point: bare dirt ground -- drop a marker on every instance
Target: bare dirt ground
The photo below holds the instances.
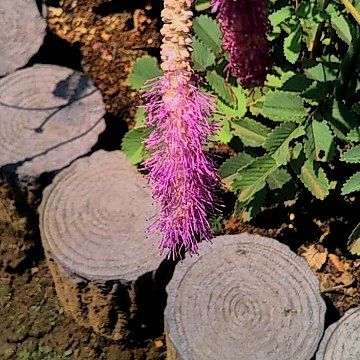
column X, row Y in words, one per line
column 33, row 325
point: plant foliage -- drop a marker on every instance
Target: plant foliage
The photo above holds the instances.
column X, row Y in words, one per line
column 302, row 128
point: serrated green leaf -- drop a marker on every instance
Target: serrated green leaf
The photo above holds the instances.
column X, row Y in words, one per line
column 279, row 16
column 292, row 45
column 297, row 83
column 247, row 211
column 230, row 167
column 284, row 106
column 251, row 132
column 238, row 110
column 220, row 87
column 278, row 141
column 224, row 134
column 319, row 145
column 132, row 144
column 352, row 184
column 144, row 69
column 253, row 178
column 208, row 31
column 352, row 155
column 140, row 117
column 354, row 241
column 354, row 135
column 234, row 164
column 342, row 28
column 322, row 72
column 278, row 179
column 296, row 151
column 310, row 29
column 343, row 120
column 318, row 91
column 315, row 180
column 202, row 56
column 255, row 102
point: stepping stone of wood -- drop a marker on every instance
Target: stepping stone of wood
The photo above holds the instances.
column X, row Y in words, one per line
column 342, row 339
column 49, row 116
column 245, row 297
column 22, row 30
column 93, row 221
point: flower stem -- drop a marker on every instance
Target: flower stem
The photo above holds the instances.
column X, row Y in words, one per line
column 352, row 10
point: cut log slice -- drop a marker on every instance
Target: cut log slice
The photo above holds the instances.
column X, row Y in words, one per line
column 93, row 221
column 342, row 339
column 245, row 297
column 22, row 30
column 49, row 116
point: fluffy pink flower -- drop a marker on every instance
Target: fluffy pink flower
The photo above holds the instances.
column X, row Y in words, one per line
column 244, row 25
column 181, row 174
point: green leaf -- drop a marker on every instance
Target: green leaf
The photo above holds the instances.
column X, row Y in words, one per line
column 343, row 119
column 352, row 155
column 238, row 110
column 202, row 5
column 224, row 134
column 296, row 151
column 278, row 141
column 278, row 179
column 250, row 132
column 140, row 117
column 292, row 45
column 279, row 16
column 220, row 87
column 234, row 164
column 320, row 142
column 144, row 69
column 284, row 106
column 342, row 28
column 253, row 178
column 208, row 31
column 202, row 56
column 310, row 29
column 352, row 184
column 354, row 241
column 132, row 144
column 354, row 135
column 248, row 210
column 315, row 179
column 297, row 83
column 322, row 72
column 230, row 167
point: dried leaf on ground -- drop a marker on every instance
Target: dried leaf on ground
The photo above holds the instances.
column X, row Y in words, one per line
column 315, row 258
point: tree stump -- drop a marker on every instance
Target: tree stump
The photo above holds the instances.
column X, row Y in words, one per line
column 245, row 297
column 93, row 228
column 49, row 116
column 22, row 30
column 342, row 339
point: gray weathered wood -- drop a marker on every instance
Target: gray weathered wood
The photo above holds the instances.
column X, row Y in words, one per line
column 49, row 116
column 245, row 297
column 342, row 339
column 22, row 32
column 93, row 222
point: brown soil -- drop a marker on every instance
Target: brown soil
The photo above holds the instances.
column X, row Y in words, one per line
column 110, row 42
column 34, row 326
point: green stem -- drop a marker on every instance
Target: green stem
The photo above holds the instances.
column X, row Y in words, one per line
column 352, row 10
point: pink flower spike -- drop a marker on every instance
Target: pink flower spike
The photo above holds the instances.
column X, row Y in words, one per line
column 244, row 26
column 182, row 176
